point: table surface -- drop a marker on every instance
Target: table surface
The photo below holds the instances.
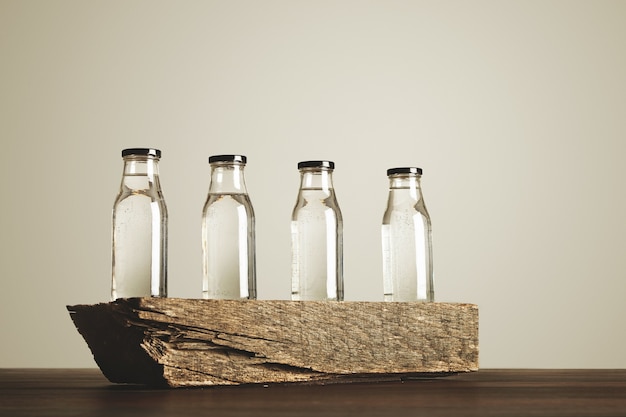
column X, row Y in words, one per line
column 489, row 392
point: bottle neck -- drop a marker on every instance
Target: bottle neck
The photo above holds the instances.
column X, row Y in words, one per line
column 227, row 178
column 316, row 179
column 140, row 173
column 141, row 165
column 408, row 184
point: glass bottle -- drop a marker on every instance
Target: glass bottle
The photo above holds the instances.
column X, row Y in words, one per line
column 316, row 236
column 228, row 237
column 407, row 240
column 139, row 249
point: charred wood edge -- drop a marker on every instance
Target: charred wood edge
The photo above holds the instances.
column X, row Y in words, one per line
column 123, row 358
column 116, row 345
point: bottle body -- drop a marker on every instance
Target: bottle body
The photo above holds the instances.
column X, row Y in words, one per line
column 316, row 236
column 139, row 244
column 407, row 240
column 228, row 233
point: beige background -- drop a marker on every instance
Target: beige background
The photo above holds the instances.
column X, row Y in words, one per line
column 516, row 111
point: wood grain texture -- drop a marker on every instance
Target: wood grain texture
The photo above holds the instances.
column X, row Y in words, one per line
column 186, row 342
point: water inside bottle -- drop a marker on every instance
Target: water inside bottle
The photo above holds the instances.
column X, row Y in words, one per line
column 228, row 239
column 316, row 243
column 406, row 257
column 136, row 240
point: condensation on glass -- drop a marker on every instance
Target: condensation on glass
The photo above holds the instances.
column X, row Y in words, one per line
column 316, row 236
column 228, row 232
column 139, row 244
column 407, row 239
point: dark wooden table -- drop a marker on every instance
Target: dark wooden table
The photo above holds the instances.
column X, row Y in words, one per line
column 489, row 392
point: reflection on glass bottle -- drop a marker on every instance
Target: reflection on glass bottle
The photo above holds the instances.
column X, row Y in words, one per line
column 316, row 236
column 406, row 240
column 228, row 238
column 139, row 249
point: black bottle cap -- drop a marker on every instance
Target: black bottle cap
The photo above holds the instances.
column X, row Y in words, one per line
column 407, row 170
column 316, row 164
column 141, row 151
column 228, row 158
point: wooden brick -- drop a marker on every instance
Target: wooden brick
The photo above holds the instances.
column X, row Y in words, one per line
column 189, row 342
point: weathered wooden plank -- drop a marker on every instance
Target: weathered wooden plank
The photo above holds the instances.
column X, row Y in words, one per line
column 185, row 342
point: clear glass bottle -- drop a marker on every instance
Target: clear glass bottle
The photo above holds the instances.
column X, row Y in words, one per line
column 407, row 240
column 316, row 236
column 228, row 237
column 139, row 250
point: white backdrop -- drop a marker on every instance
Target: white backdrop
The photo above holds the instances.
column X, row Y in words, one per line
column 516, row 111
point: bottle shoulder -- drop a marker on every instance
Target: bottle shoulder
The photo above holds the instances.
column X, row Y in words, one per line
column 316, row 199
column 227, row 201
column 148, row 195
